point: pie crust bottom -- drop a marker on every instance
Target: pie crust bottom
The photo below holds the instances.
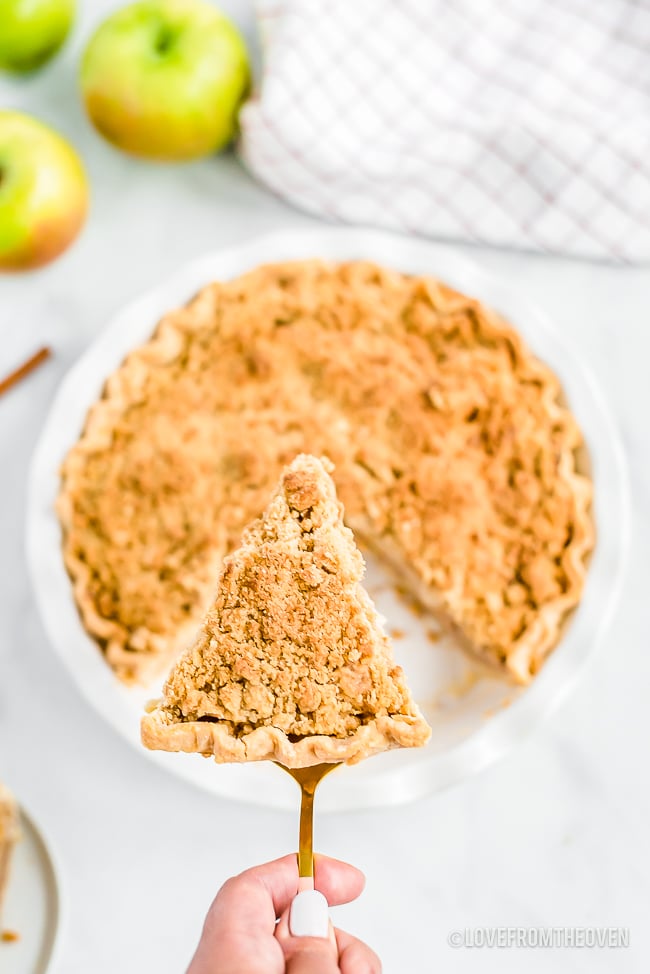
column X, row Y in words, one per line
column 216, row 739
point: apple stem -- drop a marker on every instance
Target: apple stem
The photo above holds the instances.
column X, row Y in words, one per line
column 164, row 40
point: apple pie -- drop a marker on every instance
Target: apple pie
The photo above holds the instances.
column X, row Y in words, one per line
column 455, row 458
column 9, row 835
column 290, row 663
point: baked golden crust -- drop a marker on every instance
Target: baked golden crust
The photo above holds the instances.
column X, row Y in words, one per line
column 454, row 458
column 9, row 835
column 9, row 828
column 272, row 744
column 291, row 662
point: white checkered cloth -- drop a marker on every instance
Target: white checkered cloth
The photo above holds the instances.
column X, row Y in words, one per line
column 520, row 123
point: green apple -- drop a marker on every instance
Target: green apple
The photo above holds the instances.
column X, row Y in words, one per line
column 164, row 79
column 32, row 31
column 43, row 192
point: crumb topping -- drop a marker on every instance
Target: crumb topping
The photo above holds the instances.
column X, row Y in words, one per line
column 453, row 456
column 8, row 816
column 292, row 640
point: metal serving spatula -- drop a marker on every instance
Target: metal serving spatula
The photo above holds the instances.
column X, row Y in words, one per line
column 308, row 780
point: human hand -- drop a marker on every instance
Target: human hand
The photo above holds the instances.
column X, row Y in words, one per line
column 241, row 934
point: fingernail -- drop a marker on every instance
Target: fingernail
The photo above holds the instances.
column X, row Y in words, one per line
column 309, row 915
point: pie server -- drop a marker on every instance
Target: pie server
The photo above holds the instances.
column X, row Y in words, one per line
column 308, row 916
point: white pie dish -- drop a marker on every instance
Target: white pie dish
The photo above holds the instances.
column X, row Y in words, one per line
column 33, row 904
column 465, row 738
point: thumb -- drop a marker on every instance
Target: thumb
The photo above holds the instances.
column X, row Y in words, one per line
column 310, row 955
column 306, row 936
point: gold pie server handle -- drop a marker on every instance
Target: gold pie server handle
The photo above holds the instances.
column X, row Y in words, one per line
column 308, row 780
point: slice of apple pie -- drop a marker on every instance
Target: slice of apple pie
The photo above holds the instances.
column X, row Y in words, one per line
column 291, row 662
column 9, row 835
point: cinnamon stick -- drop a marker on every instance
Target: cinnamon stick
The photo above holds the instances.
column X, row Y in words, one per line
column 32, row 363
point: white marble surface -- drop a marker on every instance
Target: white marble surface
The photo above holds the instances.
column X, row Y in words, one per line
column 557, row 834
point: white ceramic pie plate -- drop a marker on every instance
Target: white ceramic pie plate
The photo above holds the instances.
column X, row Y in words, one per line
column 475, row 718
column 32, row 906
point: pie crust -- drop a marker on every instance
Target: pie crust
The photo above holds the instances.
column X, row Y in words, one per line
column 9, row 835
column 272, row 744
column 454, row 455
column 291, row 663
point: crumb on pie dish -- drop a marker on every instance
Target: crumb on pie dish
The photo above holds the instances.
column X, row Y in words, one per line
column 291, row 662
column 9, row 835
column 455, row 459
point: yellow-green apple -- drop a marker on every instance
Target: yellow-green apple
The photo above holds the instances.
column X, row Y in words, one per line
column 43, row 192
column 164, row 79
column 32, row 31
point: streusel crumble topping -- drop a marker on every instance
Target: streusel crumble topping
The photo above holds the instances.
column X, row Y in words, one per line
column 454, row 457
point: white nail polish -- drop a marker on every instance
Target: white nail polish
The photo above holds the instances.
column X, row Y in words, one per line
column 309, row 915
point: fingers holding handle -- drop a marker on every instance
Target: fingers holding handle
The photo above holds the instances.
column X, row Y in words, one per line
column 312, row 946
column 306, row 936
column 311, row 955
column 309, row 915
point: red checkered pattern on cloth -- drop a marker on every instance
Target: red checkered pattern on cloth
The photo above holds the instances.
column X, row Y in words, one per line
column 521, row 123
